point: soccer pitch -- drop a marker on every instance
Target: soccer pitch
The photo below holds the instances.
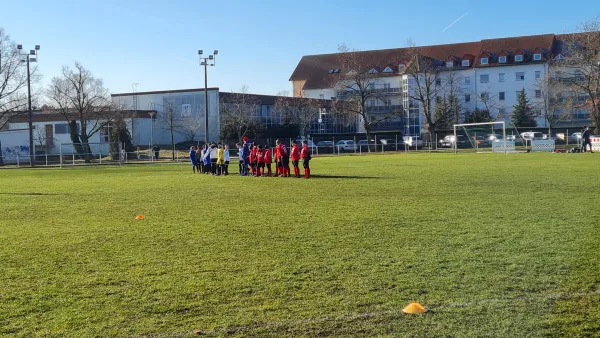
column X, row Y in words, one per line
column 491, row 244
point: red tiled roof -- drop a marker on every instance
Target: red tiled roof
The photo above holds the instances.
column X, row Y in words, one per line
column 314, row 68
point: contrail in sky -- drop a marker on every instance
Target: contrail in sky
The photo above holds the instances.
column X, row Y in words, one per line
column 455, row 21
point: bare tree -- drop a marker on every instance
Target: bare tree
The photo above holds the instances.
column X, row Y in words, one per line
column 300, row 111
column 425, row 73
column 13, row 82
column 171, row 121
column 81, row 97
column 239, row 115
column 580, row 69
column 448, row 110
column 191, row 126
column 554, row 102
column 357, row 85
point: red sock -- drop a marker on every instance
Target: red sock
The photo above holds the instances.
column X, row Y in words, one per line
column 269, row 171
column 288, row 172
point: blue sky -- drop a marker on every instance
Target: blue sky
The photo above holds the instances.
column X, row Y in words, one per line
column 155, row 43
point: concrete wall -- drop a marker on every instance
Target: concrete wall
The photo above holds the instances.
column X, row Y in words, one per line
column 158, row 132
column 14, row 145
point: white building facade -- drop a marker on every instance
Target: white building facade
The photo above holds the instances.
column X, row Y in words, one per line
column 487, row 74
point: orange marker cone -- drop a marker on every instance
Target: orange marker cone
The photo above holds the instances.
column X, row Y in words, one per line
column 414, row 308
column 197, row 332
column 139, row 217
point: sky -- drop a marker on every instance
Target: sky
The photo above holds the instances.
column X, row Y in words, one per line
column 155, row 43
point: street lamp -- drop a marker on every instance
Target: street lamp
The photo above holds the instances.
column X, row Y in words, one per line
column 206, row 61
column 29, row 57
column 152, row 112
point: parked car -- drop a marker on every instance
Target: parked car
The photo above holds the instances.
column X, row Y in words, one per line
column 532, row 135
column 345, row 145
column 448, row 141
column 325, row 144
column 411, row 141
column 310, row 143
column 494, row 137
column 575, row 138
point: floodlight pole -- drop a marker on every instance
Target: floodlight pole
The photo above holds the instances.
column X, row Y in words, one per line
column 206, row 61
column 30, row 113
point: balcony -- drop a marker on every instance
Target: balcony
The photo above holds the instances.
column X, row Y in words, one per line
column 384, row 109
column 342, row 95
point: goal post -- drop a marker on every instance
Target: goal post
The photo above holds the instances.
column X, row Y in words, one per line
column 482, row 137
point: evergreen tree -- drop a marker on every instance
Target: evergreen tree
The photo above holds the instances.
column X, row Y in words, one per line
column 120, row 134
column 478, row 116
column 523, row 115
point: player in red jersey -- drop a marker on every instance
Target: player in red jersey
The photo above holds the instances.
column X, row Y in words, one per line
column 306, row 156
column 268, row 159
column 253, row 159
column 285, row 160
column 277, row 159
column 295, row 156
column 260, row 161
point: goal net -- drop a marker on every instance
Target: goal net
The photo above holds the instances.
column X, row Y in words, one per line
column 484, row 137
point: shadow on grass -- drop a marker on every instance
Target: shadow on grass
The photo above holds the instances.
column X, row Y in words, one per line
column 346, row 177
column 29, row 194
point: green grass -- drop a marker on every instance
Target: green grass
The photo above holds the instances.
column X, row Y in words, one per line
column 493, row 245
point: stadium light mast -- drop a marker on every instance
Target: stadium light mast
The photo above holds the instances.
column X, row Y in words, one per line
column 29, row 57
column 211, row 60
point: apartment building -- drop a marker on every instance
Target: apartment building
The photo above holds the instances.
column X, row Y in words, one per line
column 486, row 74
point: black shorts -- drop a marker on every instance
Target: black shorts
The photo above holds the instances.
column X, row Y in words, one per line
column 279, row 164
column 261, row 164
column 305, row 162
column 254, row 164
column 213, row 160
column 295, row 163
column 226, row 162
column 285, row 161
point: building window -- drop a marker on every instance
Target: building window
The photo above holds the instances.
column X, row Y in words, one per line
column 518, row 58
column 537, row 57
column 501, row 96
column 502, row 59
column 438, row 99
column 449, row 64
column 520, row 76
column 372, row 103
column 538, row 74
column 501, row 112
column 467, row 98
column 484, row 78
column 386, row 86
column 438, row 82
column 484, row 61
column 538, row 93
column 372, row 71
column 387, row 102
column 322, row 96
column 61, row 128
column 501, row 77
column 465, row 63
column 485, row 96
column 105, row 133
column 388, row 70
column 468, row 80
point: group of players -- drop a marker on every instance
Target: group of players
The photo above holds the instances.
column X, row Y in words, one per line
column 214, row 159
column 254, row 158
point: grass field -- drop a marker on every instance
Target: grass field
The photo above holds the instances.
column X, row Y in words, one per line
column 493, row 245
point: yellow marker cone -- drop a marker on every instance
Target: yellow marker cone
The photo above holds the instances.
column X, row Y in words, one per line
column 414, row 308
column 139, row 217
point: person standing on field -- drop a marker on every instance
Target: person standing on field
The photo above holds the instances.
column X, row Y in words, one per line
column 295, row 156
column 198, row 159
column 156, row 150
column 268, row 159
column 260, row 162
column 285, row 159
column 586, row 136
column 193, row 158
column 246, row 157
column 220, row 160
column 306, row 157
column 227, row 160
column 240, row 149
column 214, row 153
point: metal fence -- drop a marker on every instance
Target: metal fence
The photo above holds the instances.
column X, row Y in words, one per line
column 69, row 155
